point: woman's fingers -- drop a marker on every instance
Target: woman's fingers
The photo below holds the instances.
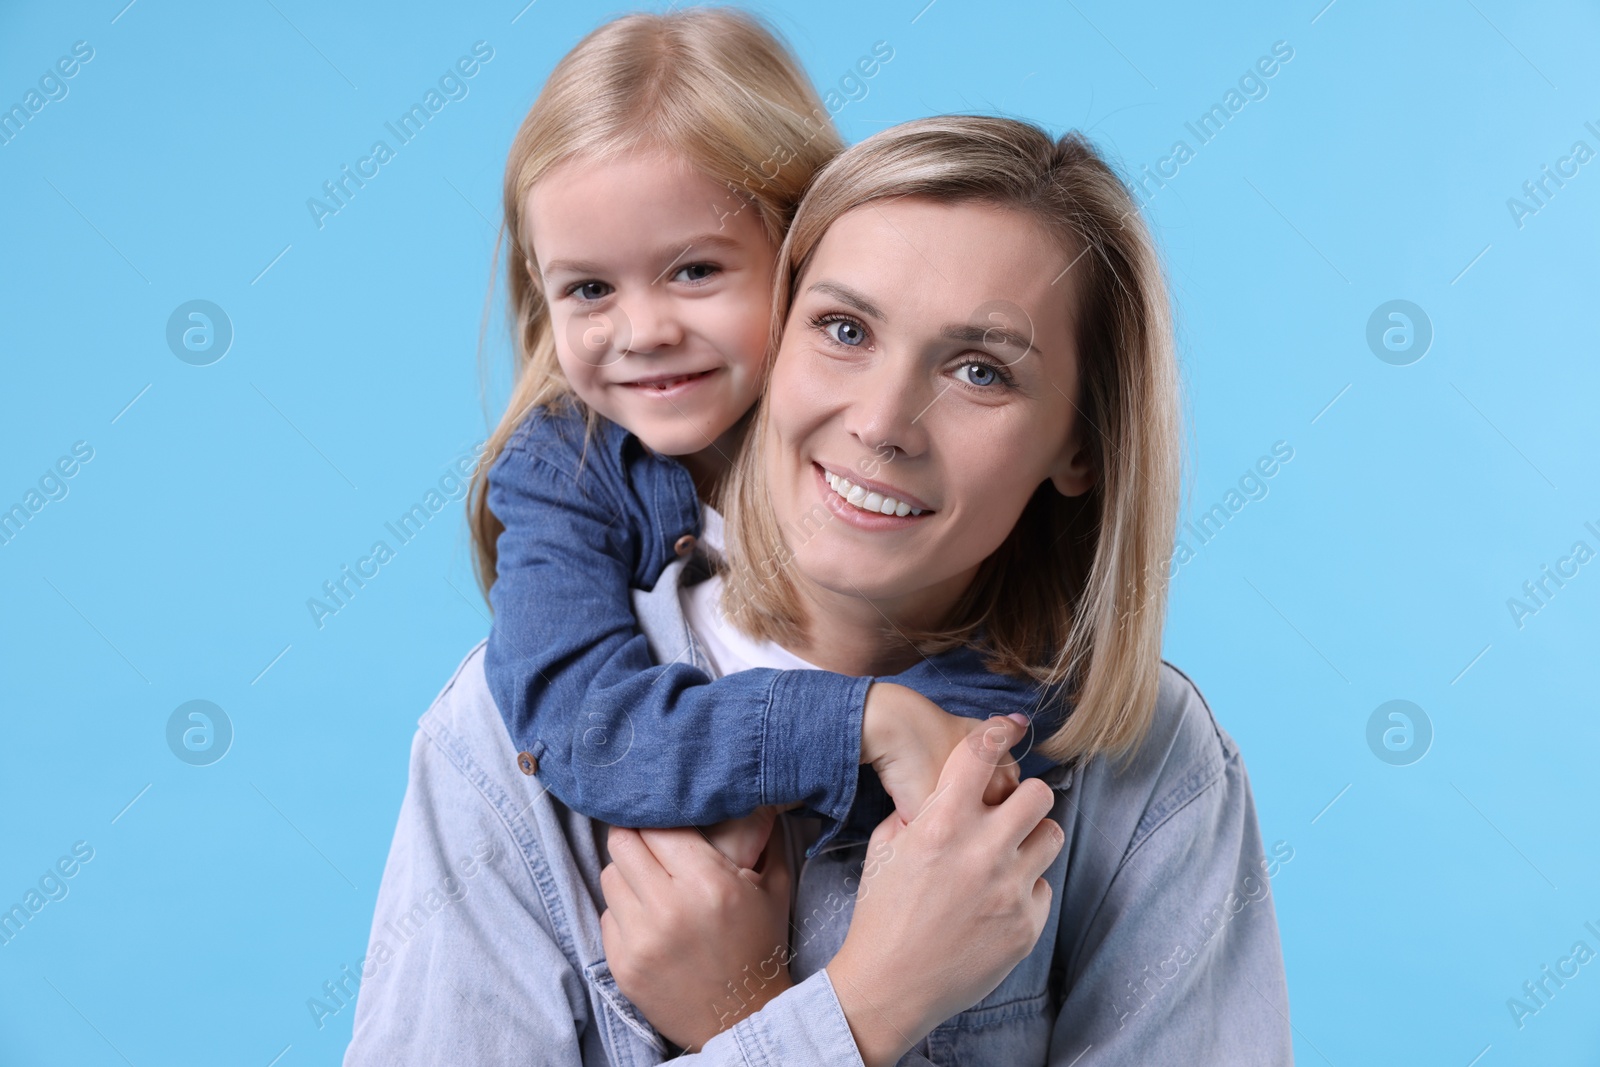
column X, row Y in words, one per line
column 1019, row 816
column 1001, row 783
column 1041, row 847
column 972, row 763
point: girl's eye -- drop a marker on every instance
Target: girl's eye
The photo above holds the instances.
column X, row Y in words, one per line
column 696, row 272
column 843, row 330
column 590, row 290
column 982, row 374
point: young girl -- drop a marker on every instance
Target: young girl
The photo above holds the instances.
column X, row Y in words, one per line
column 645, row 197
column 1132, row 925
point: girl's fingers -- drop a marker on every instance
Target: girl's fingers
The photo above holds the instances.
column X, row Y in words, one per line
column 619, row 895
column 634, row 860
column 681, row 850
column 742, row 840
column 775, row 871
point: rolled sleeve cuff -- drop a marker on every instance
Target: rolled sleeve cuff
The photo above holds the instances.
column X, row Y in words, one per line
column 804, row 1025
column 811, row 743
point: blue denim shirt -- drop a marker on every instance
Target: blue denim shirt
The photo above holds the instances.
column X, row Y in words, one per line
column 1161, row 945
column 637, row 741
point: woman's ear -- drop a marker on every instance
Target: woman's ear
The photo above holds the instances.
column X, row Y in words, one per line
column 1074, row 472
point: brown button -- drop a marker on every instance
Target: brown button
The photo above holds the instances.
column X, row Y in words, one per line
column 526, row 761
column 685, row 545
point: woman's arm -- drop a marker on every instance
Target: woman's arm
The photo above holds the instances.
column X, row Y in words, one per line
column 486, row 945
column 1181, row 961
column 463, row 965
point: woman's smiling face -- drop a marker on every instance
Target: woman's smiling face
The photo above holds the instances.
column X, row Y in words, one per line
column 928, row 359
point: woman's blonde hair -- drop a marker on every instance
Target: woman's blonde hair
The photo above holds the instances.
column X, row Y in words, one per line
column 1076, row 595
column 713, row 87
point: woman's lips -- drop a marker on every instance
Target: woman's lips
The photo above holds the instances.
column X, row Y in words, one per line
column 857, row 516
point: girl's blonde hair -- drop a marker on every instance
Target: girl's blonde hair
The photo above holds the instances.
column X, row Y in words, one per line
column 1076, row 595
column 713, row 87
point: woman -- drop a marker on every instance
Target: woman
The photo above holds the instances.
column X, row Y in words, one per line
column 974, row 325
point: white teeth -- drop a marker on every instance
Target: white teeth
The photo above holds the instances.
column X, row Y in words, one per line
column 867, row 500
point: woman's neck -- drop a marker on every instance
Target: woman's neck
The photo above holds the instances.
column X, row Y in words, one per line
column 848, row 634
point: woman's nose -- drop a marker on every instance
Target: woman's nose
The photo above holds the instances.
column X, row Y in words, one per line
column 889, row 409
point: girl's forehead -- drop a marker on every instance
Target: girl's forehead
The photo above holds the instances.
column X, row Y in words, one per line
column 626, row 201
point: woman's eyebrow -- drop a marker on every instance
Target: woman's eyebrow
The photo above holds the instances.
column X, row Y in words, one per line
column 851, row 297
column 970, row 333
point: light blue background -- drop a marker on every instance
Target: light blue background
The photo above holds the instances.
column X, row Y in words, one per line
column 1378, row 568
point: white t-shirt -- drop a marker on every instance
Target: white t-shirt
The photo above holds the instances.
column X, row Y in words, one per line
column 728, row 649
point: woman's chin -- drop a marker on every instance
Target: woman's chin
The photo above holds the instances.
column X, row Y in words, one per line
column 876, row 580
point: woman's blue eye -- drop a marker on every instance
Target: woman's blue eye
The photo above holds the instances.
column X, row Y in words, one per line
column 983, row 374
column 845, row 332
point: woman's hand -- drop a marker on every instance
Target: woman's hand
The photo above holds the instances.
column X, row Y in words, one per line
column 949, row 903
column 694, row 942
column 908, row 740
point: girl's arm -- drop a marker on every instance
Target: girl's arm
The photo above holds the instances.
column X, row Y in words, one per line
column 485, row 943
column 947, row 906
column 607, row 730
column 621, row 738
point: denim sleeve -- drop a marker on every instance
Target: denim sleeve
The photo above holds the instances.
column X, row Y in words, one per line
column 463, row 964
column 617, row 736
column 802, row 1025
column 1181, row 961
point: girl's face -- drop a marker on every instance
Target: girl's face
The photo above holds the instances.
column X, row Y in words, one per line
column 928, row 360
column 659, row 283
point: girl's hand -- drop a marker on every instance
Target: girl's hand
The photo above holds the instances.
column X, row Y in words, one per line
column 949, row 903
column 908, row 740
column 693, row 942
column 743, row 840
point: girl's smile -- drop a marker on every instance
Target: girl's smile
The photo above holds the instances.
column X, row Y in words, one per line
column 670, row 386
column 659, row 284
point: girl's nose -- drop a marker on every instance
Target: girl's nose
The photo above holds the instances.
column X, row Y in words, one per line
column 648, row 321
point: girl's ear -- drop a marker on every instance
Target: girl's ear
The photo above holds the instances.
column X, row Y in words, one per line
column 1074, row 472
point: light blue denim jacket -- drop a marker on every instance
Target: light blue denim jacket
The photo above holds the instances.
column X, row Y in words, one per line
column 1161, row 946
